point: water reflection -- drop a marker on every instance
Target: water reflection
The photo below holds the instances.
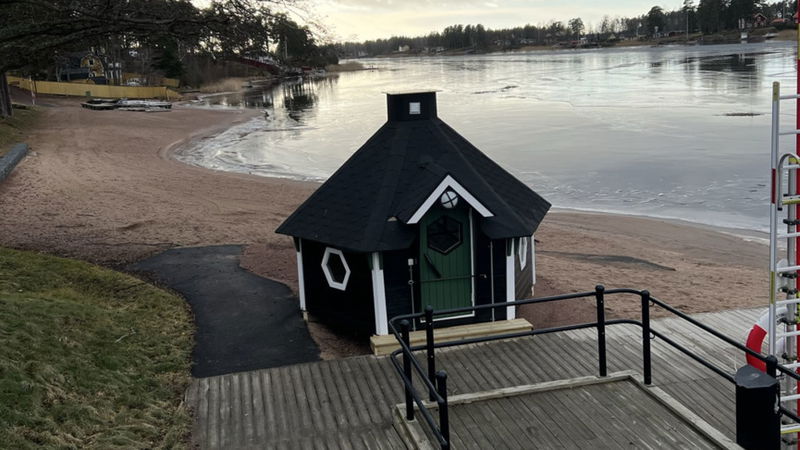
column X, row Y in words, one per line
column 297, row 97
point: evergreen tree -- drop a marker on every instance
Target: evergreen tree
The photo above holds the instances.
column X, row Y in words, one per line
column 576, row 26
column 709, row 15
column 656, row 20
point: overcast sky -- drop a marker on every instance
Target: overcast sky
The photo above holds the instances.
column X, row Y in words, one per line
column 370, row 19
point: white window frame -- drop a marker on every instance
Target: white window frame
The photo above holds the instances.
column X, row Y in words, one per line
column 448, row 183
column 326, row 270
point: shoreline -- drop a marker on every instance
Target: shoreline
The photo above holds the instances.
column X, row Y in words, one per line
column 786, row 35
column 746, row 234
column 103, row 187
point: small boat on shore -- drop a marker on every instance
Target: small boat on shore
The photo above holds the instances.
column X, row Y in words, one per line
column 100, row 104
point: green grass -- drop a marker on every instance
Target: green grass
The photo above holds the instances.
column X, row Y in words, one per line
column 14, row 129
column 89, row 357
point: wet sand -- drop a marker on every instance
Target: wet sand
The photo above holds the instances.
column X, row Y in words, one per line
column 101, row 186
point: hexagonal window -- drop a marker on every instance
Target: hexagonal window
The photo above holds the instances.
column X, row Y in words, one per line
column 335, row 268
column 444, row 234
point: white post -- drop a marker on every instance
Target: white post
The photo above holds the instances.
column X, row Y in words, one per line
column 379, row 296
column 301, row 285
column 511, row 311
column 533, row 258
column 773, row 217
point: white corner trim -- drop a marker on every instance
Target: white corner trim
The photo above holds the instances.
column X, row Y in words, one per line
column 301, row 284
column 449, row 183
column 522, row 251
column 379, row 296
column 511, row 285
column 533, row 258
column 340, row 285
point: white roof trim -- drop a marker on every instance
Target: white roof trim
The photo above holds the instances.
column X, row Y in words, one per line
column 449, row 183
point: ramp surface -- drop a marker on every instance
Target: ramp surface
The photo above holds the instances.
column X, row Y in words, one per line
column 349, row 403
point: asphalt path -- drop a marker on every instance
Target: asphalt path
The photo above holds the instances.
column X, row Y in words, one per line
column 244, row 322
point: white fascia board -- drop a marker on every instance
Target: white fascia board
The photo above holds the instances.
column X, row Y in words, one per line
column 449, row 183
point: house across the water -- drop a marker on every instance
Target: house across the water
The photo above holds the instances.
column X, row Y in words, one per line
column 417, row 216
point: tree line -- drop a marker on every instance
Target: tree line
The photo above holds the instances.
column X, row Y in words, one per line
column 708, row 16
column 175, row 38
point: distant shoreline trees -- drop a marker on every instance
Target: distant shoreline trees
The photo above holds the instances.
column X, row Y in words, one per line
column 708, row 17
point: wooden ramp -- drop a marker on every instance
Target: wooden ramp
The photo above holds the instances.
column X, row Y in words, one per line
column 384, row 345
column 615, row 411
column 349, row 403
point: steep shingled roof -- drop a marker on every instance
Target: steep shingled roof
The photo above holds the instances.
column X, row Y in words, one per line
column 366, row 204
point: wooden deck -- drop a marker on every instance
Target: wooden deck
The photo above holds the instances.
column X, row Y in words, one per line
column 580, row 413
column 349, row 403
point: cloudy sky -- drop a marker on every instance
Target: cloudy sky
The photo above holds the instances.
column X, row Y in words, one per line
column 370, row 19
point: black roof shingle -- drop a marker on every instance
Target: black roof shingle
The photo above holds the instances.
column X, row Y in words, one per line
column 366, row 204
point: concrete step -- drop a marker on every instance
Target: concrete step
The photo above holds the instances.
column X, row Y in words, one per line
column 384, row 345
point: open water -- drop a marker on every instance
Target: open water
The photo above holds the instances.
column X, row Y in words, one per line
column 673, row 132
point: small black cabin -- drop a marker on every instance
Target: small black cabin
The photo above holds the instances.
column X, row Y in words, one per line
column 417, row 216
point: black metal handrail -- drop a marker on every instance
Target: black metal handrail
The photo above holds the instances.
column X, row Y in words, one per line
column 436, row 381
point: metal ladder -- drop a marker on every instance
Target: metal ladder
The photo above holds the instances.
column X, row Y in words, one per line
column 784, row 271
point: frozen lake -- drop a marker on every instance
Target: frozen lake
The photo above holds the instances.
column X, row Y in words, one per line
column 677, row 132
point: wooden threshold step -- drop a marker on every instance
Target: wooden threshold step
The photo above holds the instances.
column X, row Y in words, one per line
column 384, row 345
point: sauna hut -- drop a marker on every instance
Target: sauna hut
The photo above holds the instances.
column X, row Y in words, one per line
column 417, row 216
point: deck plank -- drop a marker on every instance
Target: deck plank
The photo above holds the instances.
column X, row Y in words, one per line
column 348, row 403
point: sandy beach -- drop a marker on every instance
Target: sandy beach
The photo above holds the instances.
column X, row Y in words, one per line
column 101, row 186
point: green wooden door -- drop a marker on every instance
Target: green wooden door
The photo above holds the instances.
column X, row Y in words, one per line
column 446, row 259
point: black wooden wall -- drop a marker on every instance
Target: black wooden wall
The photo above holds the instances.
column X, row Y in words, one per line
column 350, row 311
column 395, row 279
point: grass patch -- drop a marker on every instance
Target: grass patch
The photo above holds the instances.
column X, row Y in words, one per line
column 13, row 129
column 89, row 357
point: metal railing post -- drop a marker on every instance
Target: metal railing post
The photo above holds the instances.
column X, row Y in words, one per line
column 772, row 366
column 758, row 419
column 648, row 378
column 444, row 419
column 430, row 350
column 601, row 329
column 404, row 329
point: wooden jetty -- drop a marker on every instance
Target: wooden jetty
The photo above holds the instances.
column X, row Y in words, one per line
column 350, row 403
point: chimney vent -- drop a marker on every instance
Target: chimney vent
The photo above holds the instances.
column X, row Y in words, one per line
column 411, row 106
